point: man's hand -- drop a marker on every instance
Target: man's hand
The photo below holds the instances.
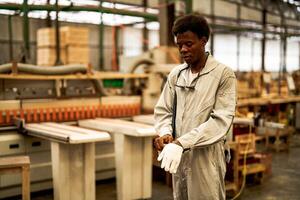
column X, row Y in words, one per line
column 160, row 142
column 170, row 157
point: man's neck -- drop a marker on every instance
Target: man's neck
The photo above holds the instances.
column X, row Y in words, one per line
column 200, row 65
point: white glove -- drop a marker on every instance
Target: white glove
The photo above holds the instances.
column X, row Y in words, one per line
column 170, row 156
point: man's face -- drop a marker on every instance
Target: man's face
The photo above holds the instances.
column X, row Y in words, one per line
column 190, row 47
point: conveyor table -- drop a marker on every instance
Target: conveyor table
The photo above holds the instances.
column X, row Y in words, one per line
column 73, row 158
column 133, row 153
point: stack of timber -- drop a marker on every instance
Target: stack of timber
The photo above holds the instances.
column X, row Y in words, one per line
column 73, row 46
column 296, row 77
column 248, row 85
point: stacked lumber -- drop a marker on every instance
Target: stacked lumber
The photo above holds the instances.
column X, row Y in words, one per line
column 73, row 46
column 249, row 85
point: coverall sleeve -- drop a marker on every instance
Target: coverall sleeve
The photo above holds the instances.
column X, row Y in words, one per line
column 164, row 109
column 220, row 119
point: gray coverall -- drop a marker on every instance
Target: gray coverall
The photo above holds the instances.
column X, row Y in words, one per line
column 203, row 117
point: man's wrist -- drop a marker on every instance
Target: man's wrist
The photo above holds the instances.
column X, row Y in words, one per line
column 178, row 143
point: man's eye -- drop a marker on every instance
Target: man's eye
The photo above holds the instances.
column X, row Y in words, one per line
column 189, row 44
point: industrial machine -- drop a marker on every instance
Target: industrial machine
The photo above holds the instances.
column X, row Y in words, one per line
column 61, row 94
column 157, row 64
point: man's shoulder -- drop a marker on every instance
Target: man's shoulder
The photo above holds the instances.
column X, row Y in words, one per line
column 224, row 69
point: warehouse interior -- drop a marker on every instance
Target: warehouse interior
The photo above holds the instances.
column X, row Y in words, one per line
column 79, row 80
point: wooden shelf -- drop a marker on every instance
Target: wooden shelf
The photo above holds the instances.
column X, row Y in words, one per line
column 95, row 75
column 253, row 168
column 267, row 100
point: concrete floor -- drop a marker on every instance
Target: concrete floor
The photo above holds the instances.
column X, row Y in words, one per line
column 284, row 184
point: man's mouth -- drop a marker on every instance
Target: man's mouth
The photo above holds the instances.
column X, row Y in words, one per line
column 186, row 57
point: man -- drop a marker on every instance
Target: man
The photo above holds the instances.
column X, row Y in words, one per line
column 200, row 96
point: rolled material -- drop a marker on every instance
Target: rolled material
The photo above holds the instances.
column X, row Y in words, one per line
column 52, row 70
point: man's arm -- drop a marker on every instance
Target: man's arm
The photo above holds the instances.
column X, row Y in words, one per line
column 163, row 112
column 221, row 117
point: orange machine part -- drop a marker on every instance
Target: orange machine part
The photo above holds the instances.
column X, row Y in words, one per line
column 22, row 114
column 48, row 117
column 1, row 117
column 70, row 113
column 77, row 116
column 82, row 113
column 93, row 112
column 7, row 116
column 60, row 115
column 42, row 117
column 35, row 116
column 53, row 113
column 65, row 113
column 28, row 115
column 88, row 112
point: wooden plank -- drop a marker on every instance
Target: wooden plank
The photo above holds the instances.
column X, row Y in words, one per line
column 35, row 130
column 147, row 168
column 119, row 126
column 60, row 103
column 60, row 171
column 14, row 161
column 89, row 171
column 146, row 119
column 108, row 100
column 253, row 168
column 123, row 166
column 73, row 171
column 10, row 105
column 136, row 153
column 67, row 133
column 26, row 182
column 77, row 129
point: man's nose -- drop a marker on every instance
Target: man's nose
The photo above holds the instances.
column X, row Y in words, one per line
column 183, row 49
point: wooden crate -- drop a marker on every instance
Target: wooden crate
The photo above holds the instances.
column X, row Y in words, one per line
column 242, row 89
column 246, row 143
column 74, row 35
column 46, row 38
column 77, row 54
column 46, row 56
column 69, row 35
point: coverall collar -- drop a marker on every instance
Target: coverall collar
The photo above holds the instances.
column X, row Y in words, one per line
column 209, row 66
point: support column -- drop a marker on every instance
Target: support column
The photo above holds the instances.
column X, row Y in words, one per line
column 188, row 6
column 101, row 39
column 73, row 168
column 57, row 36
column 238, row 38
column 145, row 30
column 166, row 19
column 11, row 48
column 48, row 19
column 26, row 37
column 263, row 42
column 212, row 35
column 299, row 55
column 133, row 166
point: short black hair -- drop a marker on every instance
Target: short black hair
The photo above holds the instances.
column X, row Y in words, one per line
column 195, row 23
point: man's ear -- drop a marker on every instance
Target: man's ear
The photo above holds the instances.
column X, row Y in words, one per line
column 204, row 40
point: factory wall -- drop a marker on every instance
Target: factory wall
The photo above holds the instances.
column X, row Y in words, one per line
column 249, row 55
